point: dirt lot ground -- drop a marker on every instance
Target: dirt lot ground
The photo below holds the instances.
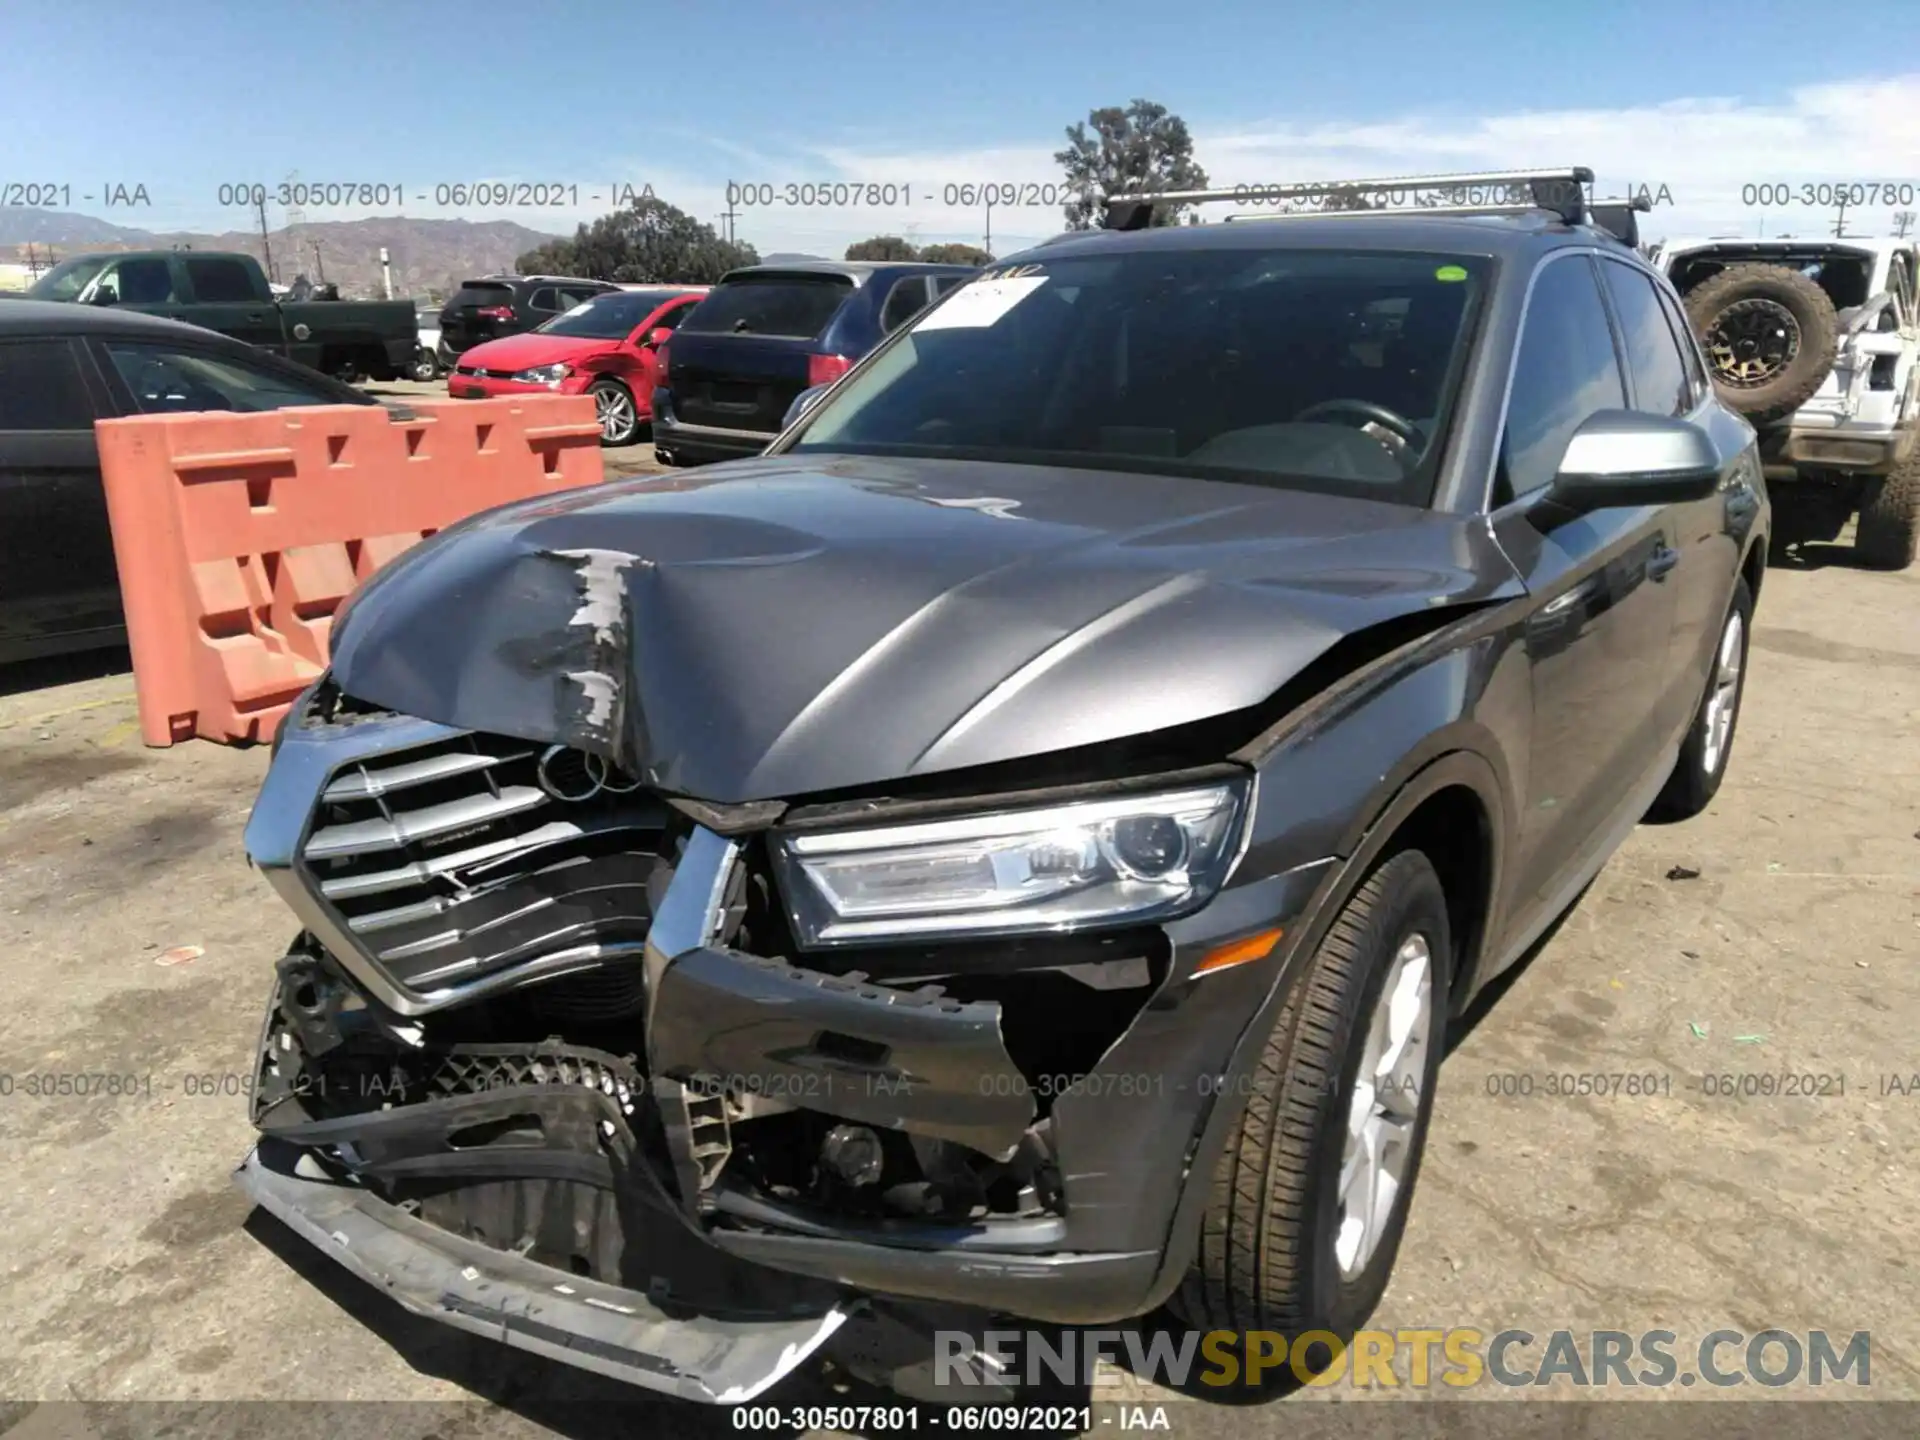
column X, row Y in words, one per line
column 1775, row 935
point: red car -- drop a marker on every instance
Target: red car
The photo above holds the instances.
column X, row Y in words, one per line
column 605, row 348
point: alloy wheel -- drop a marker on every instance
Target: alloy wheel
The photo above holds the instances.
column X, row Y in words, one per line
column 613, row 408
column 1724, row 698
column 1385, row 1109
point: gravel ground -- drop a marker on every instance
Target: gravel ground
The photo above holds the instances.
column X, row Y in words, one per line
column 1776, row 934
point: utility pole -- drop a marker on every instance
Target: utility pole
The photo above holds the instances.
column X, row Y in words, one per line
column 727, row 218
column 1902, row 223
column 988, row 247
column 1840, row 217
column 266, row 249
column 319, row 264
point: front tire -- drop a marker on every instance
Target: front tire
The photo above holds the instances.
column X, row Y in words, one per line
column 1702, row 763
column 613, row 407
column 425, row 367
column 1311, row 1196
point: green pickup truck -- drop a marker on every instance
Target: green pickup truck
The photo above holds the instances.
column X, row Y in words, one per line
column 228, row 292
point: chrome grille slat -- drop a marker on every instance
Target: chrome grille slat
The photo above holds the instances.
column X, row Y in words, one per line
column 448, row 937
column 363, row 837
column 366, row 782
column 378, row 882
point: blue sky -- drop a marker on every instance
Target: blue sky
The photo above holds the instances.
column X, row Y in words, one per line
column 187, row 95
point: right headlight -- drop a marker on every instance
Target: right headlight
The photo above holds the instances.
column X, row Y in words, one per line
column 1059, row 868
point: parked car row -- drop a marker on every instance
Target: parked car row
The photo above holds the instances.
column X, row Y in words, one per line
column 742, row 350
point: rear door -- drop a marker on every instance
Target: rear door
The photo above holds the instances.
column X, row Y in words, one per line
column 1598, row 634
column 225, row 299
column 474, row 312
column 746, row 351
column 1668, row 379
column 59, row 588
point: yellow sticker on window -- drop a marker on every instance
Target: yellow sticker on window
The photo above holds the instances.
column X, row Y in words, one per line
column 1450, row 272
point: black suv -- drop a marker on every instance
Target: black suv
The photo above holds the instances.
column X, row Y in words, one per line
column 766, row 333
column 496, row 305
column 1018, row 843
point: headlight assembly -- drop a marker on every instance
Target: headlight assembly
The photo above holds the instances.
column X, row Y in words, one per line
column 1065, row 867
column 543, row 374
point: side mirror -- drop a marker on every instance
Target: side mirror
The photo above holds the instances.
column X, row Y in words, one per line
column 105, row 295
column 659, row 336
column 1625, row 458
column 803, row 402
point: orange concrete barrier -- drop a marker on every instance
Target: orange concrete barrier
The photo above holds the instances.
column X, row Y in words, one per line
column 237, row 536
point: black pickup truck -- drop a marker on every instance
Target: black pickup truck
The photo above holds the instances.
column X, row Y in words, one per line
column 228, row 292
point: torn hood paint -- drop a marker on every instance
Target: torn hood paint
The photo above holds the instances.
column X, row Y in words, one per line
column 794, row 624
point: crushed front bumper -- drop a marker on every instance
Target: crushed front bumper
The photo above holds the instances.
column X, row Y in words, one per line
column 603, row 1328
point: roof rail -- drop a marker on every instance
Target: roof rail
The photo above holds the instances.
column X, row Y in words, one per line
column 1562, row 192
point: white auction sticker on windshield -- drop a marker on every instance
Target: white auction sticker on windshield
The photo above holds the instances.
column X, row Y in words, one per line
column 982, row 303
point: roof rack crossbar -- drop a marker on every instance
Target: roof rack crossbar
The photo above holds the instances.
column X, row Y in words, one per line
column 1561, row 191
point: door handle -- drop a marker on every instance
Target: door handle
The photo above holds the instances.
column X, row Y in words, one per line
column 1662, row 562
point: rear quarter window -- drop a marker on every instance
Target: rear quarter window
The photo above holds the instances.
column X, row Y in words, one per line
column 788, row 306
column 478, row 295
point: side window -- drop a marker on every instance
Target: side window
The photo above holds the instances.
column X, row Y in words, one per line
column 1660, row 382
column 571, row 298
column 943, row 283
column 671, row 320
column 146, row 281
column 546, row 298
column 1689, row 347
column 1565, row 372
column 906, row 300
column 41, row 388
column 220, row 280
column 167, row 381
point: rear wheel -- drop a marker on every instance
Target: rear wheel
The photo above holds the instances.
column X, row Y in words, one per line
column 1770, row 335
column 1702, row 764
column 1889, row 526
column 613, row 407
column 1311, row 1196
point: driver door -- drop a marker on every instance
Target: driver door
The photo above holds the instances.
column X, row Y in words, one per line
column 1599, row 631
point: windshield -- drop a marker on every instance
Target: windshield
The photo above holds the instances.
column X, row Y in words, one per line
column 612, row 316
column 68, row 278
column 1309, row 369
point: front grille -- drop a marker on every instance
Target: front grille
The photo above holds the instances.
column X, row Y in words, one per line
column 449, row 862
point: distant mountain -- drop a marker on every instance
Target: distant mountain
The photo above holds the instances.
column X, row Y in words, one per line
column 426, row 255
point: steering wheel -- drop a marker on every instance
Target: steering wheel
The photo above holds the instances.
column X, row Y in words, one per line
column 1403, row 429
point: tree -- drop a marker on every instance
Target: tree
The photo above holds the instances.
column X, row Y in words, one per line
column 882, row 247
column 1345, row 197
column 649, row 242
column 955, row 254
column 1141, row 148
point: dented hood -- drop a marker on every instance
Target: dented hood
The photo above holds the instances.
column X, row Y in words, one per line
column 794, row 624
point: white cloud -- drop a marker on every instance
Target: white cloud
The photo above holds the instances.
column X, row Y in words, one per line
column 1701, row 149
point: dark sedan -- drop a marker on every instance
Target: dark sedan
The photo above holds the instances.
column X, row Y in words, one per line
column 1017, row 844
column 61, row 368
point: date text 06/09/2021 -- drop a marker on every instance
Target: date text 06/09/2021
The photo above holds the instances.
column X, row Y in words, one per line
column 899, row 194
column 444, row 194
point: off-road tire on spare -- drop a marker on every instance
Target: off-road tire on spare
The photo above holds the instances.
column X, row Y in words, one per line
column 1746, row 294
column 1889, row 525
column 1265, row 1259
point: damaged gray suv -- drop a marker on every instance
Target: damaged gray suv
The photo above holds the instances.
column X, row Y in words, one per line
column 1017, row 845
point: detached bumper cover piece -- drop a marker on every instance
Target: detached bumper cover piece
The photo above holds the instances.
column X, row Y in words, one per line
column 532, row 1307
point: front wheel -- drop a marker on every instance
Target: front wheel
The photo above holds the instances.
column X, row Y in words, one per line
column 425, row 367
column 613, row 407
column 1311, row 1196
column 1702, row 763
